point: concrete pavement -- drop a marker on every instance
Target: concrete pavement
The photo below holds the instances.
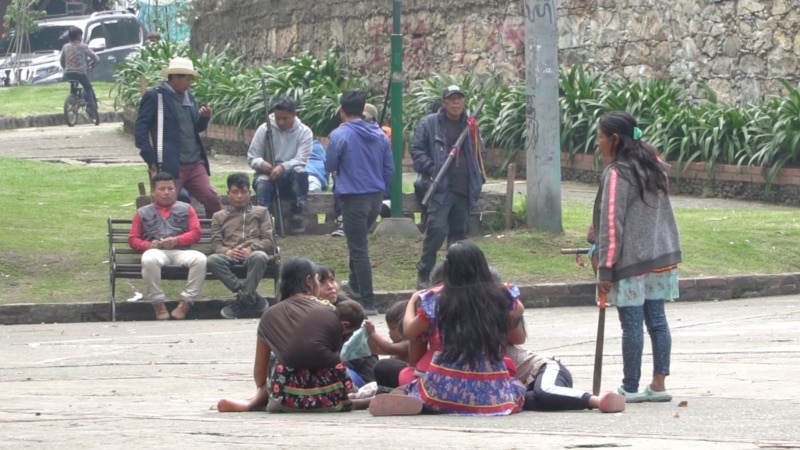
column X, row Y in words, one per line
column 148, row 384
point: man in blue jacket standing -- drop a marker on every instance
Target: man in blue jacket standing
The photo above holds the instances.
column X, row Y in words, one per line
column 360, row 155
column 167, row 134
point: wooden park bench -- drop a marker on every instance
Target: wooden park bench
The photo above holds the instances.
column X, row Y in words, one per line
column 124, row 262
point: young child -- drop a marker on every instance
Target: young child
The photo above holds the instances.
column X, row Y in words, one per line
column 328, row 288
column 469, row 376
column 398, row 346
column 399, row 369
column 548, row 382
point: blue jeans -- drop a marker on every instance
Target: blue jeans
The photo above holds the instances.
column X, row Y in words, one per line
column 88, row 91
column 448, row 220
column 292, row 185
column 359, row 212
column 631, row 318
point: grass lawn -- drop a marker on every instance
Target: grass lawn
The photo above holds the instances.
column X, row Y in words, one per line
column 53, row 244
column 27, row 100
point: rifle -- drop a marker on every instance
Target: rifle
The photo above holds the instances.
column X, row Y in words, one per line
column 450, row 157
column 577, row 252
column 276, row 201
column 385, row 101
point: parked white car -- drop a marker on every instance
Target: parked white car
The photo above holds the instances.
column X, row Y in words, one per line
column 111, row 34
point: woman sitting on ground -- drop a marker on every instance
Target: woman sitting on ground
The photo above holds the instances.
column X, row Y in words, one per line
column 469, row 375
column 305, row 336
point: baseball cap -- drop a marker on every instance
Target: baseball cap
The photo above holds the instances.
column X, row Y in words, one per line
column 450, row 90
column 370, row 112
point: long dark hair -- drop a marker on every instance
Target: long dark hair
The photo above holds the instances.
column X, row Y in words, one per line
column 472, row 314
column 638, row 160
column 294, row 276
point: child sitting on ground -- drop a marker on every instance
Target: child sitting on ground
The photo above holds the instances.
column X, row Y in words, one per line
column 548, row 383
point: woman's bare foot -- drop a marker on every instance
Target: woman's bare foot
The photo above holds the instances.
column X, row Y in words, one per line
column 611, row 402
column 228, row 405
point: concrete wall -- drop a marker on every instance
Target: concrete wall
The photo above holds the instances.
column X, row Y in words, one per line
column 738, row 47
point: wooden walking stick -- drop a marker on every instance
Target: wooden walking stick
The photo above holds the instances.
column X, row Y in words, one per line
column 598, row 349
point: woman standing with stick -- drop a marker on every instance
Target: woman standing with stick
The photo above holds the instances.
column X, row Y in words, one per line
column 638, row 249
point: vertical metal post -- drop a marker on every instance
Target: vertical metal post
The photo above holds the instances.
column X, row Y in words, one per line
column 397, row 111
column 543, row 147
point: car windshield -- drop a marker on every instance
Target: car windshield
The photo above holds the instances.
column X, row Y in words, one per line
column 45, row 39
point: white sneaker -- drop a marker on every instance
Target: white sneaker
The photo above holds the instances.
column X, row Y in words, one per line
column 339, row 231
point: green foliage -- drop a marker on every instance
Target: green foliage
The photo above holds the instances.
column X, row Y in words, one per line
column 235, row 91
column 21, row 16
column 777, row 132
column 766, row 134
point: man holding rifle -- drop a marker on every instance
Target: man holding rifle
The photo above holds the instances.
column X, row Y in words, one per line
column 292, row 143
column 459, row 187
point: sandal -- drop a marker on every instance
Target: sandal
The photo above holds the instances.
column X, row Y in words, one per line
column 632, row 397
column 656, row 396
column 395, row 405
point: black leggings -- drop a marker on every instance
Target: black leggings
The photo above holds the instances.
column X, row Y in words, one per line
column 387, row 372
column 552, row 390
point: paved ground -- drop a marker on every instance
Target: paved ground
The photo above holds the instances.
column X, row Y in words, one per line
column 735, row 364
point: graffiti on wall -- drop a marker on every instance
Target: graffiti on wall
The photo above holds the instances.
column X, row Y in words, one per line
column 504, row 44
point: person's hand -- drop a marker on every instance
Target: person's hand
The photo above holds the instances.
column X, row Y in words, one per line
column 604, row 286
column 236, row 253
column 155, row 243
column 152, row 169
column 265, row 167
column 169, row 243
column 277, row 171
column 369, row 327
column 205, row 110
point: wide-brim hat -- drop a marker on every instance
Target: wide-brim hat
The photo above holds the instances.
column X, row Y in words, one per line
column 370, row 112
column 180, row 66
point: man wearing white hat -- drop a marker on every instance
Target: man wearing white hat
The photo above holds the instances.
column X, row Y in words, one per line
column 168, row 131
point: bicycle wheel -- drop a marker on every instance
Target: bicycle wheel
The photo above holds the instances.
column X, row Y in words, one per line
column 71, row 110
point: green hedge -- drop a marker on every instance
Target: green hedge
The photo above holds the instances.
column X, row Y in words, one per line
column 765, row 134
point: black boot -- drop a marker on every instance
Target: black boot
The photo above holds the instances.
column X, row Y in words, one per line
column 423, row 280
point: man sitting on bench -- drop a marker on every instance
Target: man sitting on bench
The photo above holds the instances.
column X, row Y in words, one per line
column 163, row 231
column 241, row 234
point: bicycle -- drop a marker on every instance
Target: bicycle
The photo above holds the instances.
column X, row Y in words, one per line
column 75, row 102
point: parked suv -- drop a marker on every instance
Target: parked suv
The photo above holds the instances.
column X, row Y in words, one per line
column 111, row 34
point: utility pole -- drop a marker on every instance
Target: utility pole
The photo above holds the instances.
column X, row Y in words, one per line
column 396, row 89
column 543, row 145
column 397, row 225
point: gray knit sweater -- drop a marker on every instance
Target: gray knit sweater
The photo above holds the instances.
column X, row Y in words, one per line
column 633, row 236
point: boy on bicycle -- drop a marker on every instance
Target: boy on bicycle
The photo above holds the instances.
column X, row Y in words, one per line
column 74, row 57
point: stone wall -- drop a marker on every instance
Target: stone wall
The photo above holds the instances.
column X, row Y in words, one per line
column 740, row 48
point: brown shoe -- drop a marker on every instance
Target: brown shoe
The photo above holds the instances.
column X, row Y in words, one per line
column 180, row 311
column 161, row 311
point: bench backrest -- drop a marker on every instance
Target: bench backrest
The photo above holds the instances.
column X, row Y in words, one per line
column 118, row 230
